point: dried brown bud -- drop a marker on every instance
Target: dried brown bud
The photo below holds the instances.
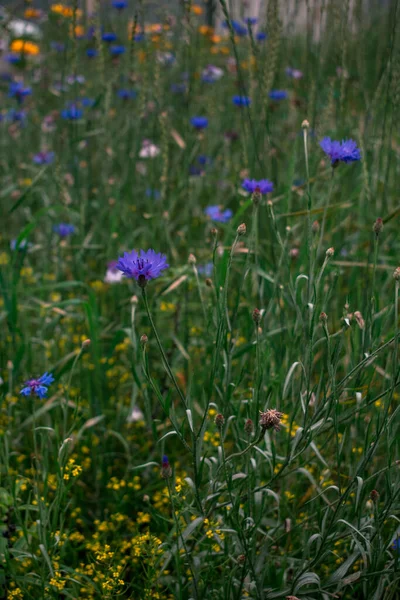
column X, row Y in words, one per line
column 323, row 317
column 144, row 339
column 209, row 282
column 192, row 259
column 270, row 419
column 256, row 316
column 249, row 426
column 241, row 230
column 396, row 274
column 219, row 420
column 330, row 252
column 315, row 227
column 378, row 226
column 374, row 495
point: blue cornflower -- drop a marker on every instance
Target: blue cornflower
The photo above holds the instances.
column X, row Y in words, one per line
column 17, row 116
column 178, row 88
column 396, row 544
column 152, row 193
column 18, row 91
column 261, row 36
column 43, row 158
column 345, row 151
column 13, row 58
column 57, row 46
column 206, row 269
column 241, row 100
column 143, row 266
column 117, row 50
column 139, row 37
column 203, row 159
column 278, row 94
column 88, row 102
column 119, row 4
column 251, row 20
column 126, row 94
column 237, row 27
column 166, row 470
column 64, row 229
column 38, row 387
column 91, row 52
column 72, row 113
column 199, row 122
column 216, row 214
column 264, row 186
column 109, row 37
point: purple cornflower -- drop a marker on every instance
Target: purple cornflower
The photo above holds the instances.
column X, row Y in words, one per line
column 216, row 214
column 43, row 158
column 117, row 50
column 264, row 186
column 206, row 269
column 345, row 151
column 64, row 229
column 199, row 122
column 38, row 386
column 241, row 100
column 143, row 266
column 278, row 94
column 294, row 73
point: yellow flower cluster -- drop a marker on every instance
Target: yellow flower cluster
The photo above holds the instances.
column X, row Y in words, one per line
column 71, row 470
column 25, row 47
column 65, row 11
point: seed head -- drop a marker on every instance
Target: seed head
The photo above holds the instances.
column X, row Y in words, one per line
column 219, row 420
column 270, row 419
column 378, row 226
column 241, row 230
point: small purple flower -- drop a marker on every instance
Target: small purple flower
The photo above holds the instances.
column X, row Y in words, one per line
column 57, row 46
column 261, row 36
column 43, row 158
column 294, row 73
column 237, row 27
column 199, row 122
column 206, row 269
column 64, row 229
column 16, row 116
column 73, row 113
column 278, row 94
column 116, row 50
column 211, row 74
column 178, row 88
column 264, row 186
column 396, row 544
column 38, row 387
column 88, row 102
column 166, row 470
column 109, row 37
column 345, row 151
column 91, row 52
column 152, row 193
column 241, row 100
column 142, row 266
column 216, row 214
column 18, row 91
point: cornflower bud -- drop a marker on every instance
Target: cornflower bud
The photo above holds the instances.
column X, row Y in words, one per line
column 330, row 252
column 315, row 227
column 166, row 470
column 256, row 316
column 144, row 339
column 270, row 419
column 323, row 317
column 378, row 226
column 241, row 230
column 192, row 259
column 219, row 420
column 374, row 495
column 249, row 426
column 396, row 274
column 305, row 124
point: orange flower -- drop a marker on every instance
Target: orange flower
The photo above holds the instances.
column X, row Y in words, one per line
column 206, row 30
column 65, row 11
column 25, row 47
column 32, row 13
column 197, row 10
column 216, row 39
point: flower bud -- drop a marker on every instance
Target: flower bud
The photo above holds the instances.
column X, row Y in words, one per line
column 270, row 419
column 315, row 227
column 241, row 559
column 241, row 230
column 86, row 343
column 323, row 317
column 144, row 339
column 192, row 259
column 214, row 231
column 249, row 426
column 166, row 471
column 396, row 274
column 378, row 226
column 330, row 252
column 209, row 282
column 256, row 316
column 305, row 124
column 219, row 420
column 374, row 495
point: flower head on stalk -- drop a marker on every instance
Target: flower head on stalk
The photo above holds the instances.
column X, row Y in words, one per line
column 270, row 419
column 38, row 386
column 166, row 470
column 142, row 266
column 345, row 151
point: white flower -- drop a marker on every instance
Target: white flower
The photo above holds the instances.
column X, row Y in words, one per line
column 113, row 275
column 149, row 150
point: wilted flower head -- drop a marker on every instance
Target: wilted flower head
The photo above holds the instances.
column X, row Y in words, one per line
column 241, row 100
column 199, row 122
column 216, row 214
column 270, row 419
column 345, row 151
column 264, row 186
column 142, row 266
column 64, row 229
column 113, row 275
column 38, row 387
column 278, row 95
